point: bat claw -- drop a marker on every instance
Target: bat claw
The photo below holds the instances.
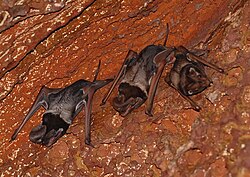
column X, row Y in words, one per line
column 197, row 108
column 223, row 71
column 89, row 143
column 102, row 103
column 149, row 113
column 13, row 137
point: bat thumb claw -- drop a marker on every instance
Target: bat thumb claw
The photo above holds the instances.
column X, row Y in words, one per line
column 222, row 71
column 89, row 143
column 197, row 108
column 102, row 103
column 149, row 113
column 13, row 137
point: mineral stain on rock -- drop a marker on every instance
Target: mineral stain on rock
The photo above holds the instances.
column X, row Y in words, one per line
column 55, row 43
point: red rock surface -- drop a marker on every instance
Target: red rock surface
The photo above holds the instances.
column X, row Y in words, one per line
column 55, row 43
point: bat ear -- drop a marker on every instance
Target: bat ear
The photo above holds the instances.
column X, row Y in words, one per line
column 37, row 133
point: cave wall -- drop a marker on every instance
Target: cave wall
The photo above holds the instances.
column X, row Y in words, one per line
column 55, row 43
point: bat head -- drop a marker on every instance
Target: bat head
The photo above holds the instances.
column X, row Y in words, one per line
column 51, row 129
column 128, row 99
column 193, row 80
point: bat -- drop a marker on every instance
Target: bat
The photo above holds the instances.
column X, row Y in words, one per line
column 62, row 105
column 138, row 78
column 188, row 76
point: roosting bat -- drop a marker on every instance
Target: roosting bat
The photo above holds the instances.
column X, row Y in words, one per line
column 62, row 105
column 139, row 75
column 188, row 75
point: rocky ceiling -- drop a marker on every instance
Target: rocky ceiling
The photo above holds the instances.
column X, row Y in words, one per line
column 55, row 43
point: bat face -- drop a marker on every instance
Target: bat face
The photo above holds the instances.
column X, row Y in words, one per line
column 128, row 99
column 188, row 75
column 51, row 129
column 193, row 80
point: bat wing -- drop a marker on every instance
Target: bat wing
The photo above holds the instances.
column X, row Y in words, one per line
column 194, row 57
column 88, row 106
column 131, row 55
column 161, row 59
column 41, row 100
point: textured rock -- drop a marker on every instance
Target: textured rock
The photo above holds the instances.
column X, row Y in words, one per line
column 55, row 43
column 38, row 21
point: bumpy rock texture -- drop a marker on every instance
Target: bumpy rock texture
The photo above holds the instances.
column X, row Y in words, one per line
column 55, row 43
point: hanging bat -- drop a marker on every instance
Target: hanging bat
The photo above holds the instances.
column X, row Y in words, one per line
column 139, row 77
column 188, row 75
column 62, row 105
